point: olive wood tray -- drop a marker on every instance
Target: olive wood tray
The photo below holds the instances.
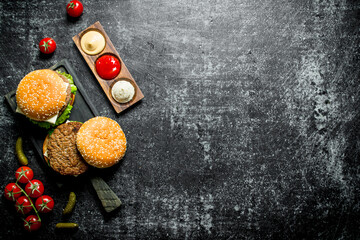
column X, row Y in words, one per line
column 82, row 110
column 107, row 84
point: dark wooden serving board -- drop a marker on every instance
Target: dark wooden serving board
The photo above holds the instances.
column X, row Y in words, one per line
column 107, row 84
column 82, row 110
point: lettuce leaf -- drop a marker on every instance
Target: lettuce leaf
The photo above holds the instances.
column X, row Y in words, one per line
column 65, row 115
column 51, row 131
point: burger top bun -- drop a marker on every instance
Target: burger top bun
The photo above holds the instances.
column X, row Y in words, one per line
column 41, row 94
column 101, row 142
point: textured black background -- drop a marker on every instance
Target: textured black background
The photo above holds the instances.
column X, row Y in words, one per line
column 249, row 128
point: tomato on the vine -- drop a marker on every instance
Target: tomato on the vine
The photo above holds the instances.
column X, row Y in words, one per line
column 32, row 223
column 24, row 174
column 47, row 45
column 74, row 8
column 34, row 188
column 12, row 192
column 23, row 205
column 44, row 204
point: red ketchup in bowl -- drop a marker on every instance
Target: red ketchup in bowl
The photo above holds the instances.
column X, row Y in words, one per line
column 108, row 66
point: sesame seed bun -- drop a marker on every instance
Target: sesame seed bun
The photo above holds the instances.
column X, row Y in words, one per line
column 60, row 152
column 42, row 94
column 101, row 142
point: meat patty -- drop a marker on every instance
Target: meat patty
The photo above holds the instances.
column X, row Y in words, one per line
column 62, row 154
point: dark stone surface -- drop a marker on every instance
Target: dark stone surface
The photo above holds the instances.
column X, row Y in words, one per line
column 249, row 128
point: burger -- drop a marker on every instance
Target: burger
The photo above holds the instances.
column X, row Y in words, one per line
column 101, row 142
column 72, row 147
column 46, row 97
column 60, row 152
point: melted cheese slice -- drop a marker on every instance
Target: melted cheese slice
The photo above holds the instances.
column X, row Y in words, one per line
column 51, row 120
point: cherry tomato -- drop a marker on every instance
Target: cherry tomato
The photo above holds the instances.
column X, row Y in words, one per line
column 23, row 205
column 32, row 223
column 12, row 192
column 34, row 188
column 24, row 174
column 47, row 45
column 44, row 204
column 108, row 67
column 74, row 8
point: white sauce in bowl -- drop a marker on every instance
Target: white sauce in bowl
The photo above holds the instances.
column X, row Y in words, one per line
column 123, row 91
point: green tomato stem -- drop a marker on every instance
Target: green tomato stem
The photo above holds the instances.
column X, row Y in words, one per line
column 22, row 190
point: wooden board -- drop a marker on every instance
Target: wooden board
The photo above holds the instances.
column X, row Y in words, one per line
column 82, row 109
column 107, row 84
